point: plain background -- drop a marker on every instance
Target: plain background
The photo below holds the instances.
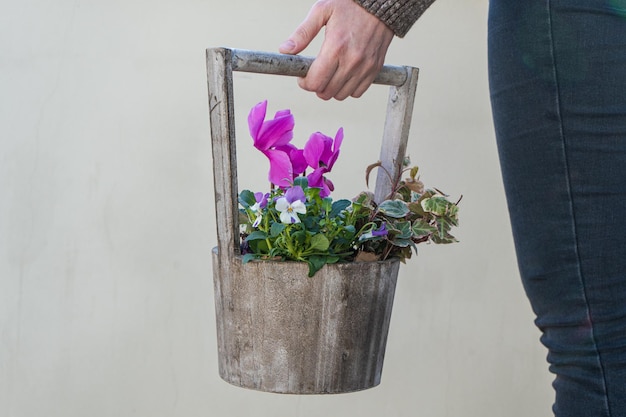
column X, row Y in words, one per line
column 107, row 217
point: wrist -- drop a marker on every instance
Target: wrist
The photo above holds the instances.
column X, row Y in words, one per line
column 398, row 15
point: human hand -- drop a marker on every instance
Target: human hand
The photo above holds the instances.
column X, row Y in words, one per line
column 352, row 53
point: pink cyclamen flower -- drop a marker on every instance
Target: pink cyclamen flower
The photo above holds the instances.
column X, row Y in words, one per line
column 296, row 156
column 272, row 137
column 321, row 153
column 291, row 204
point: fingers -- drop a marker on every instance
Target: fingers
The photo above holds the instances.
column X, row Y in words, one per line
column 353, row 51
column 345, row 67
column 323, row 71
column 306, row 31
column 337, row 79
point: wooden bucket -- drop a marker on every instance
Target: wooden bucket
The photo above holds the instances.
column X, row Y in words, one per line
column 277, row 329
column 280, row 331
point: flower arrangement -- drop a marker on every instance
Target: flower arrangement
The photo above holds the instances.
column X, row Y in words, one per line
column 297, row 219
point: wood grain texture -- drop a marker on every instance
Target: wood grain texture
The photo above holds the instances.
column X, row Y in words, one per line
column 224, row 148
column 280, row 331
column 395, row 134
column 298, row 65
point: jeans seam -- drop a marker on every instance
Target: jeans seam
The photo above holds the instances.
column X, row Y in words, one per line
column 571, row 200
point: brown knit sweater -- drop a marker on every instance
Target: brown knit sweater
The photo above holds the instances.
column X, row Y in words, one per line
column 399, row 15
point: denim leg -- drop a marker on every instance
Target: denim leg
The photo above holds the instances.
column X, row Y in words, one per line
column 557, row 71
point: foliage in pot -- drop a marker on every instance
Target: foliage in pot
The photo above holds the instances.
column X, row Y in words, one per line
column 298, row 220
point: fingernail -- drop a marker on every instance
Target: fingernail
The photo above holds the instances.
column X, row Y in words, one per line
column 288, row 45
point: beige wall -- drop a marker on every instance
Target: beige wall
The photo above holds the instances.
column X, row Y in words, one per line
column 107, row 219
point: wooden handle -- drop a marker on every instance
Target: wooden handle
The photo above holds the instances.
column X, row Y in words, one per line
column 298, row 66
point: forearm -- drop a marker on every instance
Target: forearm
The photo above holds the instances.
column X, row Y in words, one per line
column 399, row 15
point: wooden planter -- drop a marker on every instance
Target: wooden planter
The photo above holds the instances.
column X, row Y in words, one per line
column 277, row 329
column 280, row 331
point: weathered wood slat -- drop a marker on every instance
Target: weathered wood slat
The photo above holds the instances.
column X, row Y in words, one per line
column 298, row 66
column 396, row 133
column 222, row 116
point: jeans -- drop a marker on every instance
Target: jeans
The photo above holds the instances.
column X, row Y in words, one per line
column 557, row 72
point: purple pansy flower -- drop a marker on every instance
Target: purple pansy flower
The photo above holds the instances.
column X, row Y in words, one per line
column 291, row 204
column 261, row 203
column 382, row 231
column 373, row 232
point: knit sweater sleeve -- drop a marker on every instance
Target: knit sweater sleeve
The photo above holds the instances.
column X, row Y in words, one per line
column 399, row 15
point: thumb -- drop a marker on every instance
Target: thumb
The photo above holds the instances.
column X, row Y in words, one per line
column 306, row 32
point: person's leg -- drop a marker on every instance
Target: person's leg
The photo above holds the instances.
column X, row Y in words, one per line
column 557, row 72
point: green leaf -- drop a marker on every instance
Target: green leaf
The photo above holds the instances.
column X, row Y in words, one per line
column 443, row 226
column 416, row 208
column 443, row 232
column 350, row 229
column 301, row 181
column 315, row 264
column 402, row 229
column 259, row 246
column 327, row 204
column 246, row 198
column 364, row 199
column 446, row 238
column 248, row 257
column 332, row 259
column 401, row 242
column 421, row 228
column 256, row 235
column 311, row 223
column 437, row 205
column 276, row 229
column 339, row 206
column 299, row 236
column 453, row 214
column 319, row 242
column 394, row 208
